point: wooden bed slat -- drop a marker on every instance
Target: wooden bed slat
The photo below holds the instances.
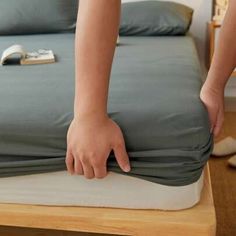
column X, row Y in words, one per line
column 197, row 221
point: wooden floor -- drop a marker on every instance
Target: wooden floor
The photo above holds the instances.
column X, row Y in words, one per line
column 224, row 190
column 223, row 180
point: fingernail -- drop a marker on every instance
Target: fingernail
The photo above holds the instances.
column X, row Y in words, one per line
column 127, row 168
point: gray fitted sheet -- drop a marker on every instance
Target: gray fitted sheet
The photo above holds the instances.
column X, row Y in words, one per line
column 154, row 97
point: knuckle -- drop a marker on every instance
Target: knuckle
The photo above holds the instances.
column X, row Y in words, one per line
column 84, row 159
column 97, row 162
column 78, row 153
column 92, row 154
column 69, row 160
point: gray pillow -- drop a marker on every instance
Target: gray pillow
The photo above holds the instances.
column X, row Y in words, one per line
column 155, row 18
column 37, row 16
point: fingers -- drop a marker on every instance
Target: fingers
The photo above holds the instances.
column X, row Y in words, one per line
column 88, row 172
column 99, row 165
column 70, row 162
column 100, row 171
column 122, row 156
column 81, row 166
column 87, row 167
column 212, row 121
column 78, row 168
column 211, row 107
column 218, row 124
column 73, row 165
column 214, row 102
column 212, row 114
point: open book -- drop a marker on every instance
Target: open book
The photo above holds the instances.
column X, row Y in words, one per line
column 16, row 54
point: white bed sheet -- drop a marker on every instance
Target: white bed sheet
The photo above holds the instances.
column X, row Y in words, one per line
column 116, row 190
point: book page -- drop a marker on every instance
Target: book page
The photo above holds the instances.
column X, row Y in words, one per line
column 13, row 50
column 42, row 56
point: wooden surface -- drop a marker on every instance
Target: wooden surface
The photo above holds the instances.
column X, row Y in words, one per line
column 211, row 32
column 224, row 184
column 212, row 26
column 19, row 231
column 197, row 221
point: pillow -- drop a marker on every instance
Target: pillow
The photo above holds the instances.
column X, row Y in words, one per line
column 37, row 16
column 155, row 18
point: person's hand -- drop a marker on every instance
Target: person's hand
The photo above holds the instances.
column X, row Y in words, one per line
column 213, row 98
column 89, row 143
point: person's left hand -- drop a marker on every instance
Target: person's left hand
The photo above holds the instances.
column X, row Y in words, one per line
column 213, row 98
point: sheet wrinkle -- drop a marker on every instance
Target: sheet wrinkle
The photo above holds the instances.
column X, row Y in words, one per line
column 157, row 106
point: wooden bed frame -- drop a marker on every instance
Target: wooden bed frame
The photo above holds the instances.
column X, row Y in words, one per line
column 197, row 221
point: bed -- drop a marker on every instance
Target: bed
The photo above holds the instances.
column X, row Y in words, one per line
column 154, row 97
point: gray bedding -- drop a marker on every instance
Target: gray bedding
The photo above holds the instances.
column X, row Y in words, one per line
column 154, row 97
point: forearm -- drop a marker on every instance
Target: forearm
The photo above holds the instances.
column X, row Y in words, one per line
column 96, row 34
column 224, row 59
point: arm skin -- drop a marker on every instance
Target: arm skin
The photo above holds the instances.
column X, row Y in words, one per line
column 92, row 135
column 223, row 64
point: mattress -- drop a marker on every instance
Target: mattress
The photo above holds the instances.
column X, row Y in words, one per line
column 153, row 96
column 116, row 191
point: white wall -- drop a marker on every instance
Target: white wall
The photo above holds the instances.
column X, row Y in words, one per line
column 202, row 14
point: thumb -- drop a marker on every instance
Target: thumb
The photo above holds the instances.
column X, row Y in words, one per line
column 122, row 156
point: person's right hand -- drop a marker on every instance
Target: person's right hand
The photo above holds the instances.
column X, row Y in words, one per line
column 89, row 143
column 213, row 98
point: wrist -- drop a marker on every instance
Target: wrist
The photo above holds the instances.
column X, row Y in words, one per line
column 214, row 86
column 87, row 109
column 216, row 80
column 91, row 115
